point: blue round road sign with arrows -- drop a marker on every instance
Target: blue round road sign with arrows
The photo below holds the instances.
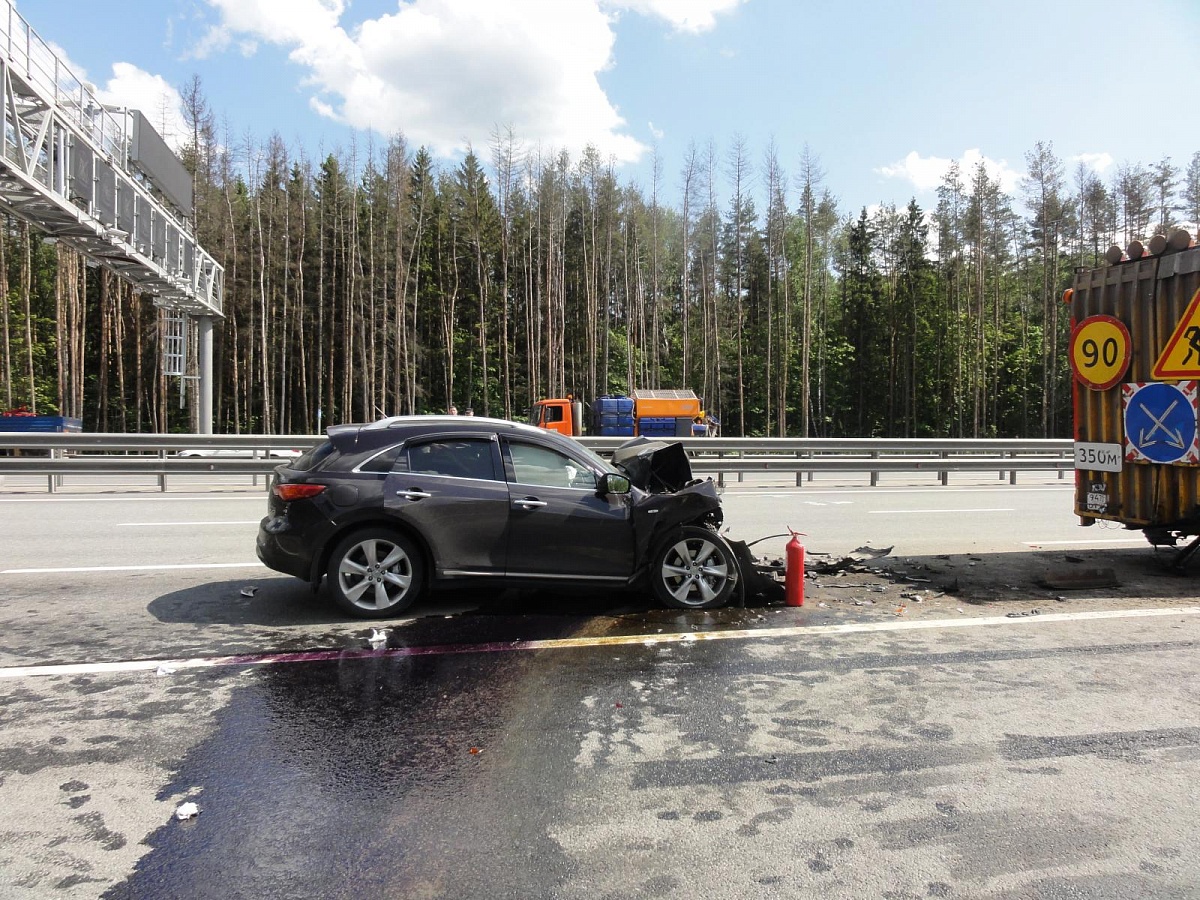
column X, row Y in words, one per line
column 1160, row 422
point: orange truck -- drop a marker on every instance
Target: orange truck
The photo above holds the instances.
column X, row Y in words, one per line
column 647, row 413
column 1135, row 355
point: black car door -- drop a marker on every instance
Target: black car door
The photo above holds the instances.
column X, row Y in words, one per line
column 452, row 490
column 558, row 527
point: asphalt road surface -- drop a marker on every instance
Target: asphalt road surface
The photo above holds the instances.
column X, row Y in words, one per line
column 884, row 740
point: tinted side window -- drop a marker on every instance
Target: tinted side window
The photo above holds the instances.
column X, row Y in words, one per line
column 314, row 457
column 383, row 461
column 534, row 464
column 457, row 457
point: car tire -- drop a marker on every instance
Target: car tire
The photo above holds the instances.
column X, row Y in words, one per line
column 376, row 573
column 694, row 568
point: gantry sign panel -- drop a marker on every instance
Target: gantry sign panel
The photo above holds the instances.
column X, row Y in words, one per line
column 102, row 181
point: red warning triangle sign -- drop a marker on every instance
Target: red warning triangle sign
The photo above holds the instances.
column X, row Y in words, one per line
column 1181, row 357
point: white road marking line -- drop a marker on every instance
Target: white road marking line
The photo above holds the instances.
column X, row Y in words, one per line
column 1136, row 540
column 648, row 640
column 237, row 565
column 807, row 492
column 259, row 494
column 260, row 497
column 171, row 524
column 908, row 512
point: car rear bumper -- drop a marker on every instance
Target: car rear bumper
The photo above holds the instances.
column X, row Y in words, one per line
column 282, row 551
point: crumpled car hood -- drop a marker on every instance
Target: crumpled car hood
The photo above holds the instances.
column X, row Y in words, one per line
column 654, row 466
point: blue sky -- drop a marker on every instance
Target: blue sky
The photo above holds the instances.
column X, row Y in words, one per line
column 883, row 92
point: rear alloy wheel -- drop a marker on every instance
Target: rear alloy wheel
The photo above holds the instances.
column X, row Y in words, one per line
column 375, row 574
column 694, row 569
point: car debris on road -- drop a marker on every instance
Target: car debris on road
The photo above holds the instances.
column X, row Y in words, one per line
column 185, row 811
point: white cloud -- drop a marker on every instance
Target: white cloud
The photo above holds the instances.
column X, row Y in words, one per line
column 656, row 133
column 282, row 21
column 1097, row 162
column 448, row 72
column 691, row 16
column 926, row 172
column 215, row 40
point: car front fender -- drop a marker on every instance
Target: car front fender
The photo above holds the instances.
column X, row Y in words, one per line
column 655, row 515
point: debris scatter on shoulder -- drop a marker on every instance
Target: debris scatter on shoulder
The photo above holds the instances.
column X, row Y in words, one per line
column 187, row 810
column 851, row 563
column 866, row 552
column 928, row 584
column 249, row 591
column 378, row 638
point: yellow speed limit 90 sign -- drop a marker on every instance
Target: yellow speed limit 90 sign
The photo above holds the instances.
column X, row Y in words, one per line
column 1100, row 351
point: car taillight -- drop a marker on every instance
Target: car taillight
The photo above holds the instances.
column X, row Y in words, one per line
column 297, row 491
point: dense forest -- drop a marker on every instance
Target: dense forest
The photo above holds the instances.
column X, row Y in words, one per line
column 375, row 282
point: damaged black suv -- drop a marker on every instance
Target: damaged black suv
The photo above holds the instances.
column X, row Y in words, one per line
column 387, row 509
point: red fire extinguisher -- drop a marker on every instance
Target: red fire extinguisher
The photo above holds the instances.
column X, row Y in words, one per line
column 794, row 571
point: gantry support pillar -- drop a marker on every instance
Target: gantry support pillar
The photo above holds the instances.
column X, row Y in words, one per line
column 204, row 340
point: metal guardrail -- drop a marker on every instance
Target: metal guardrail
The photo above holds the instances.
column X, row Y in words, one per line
column 110, row 454
column 99, row 442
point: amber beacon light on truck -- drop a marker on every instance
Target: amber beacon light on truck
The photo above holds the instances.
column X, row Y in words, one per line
column 1135, row 355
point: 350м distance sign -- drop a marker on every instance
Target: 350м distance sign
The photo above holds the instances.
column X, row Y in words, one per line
column 1100, row 351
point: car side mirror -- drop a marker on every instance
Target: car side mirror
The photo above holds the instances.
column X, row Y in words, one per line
column 611, row 483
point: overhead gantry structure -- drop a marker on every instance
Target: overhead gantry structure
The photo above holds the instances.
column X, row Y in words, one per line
column 103, row 181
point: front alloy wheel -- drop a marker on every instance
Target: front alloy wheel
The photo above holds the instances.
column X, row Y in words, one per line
column 694, row 569
column 375, row 573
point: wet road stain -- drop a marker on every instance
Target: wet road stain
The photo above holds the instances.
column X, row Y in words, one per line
column 398, row 775
column 357, row 779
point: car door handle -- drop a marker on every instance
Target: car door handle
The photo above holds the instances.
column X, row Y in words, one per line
column 529, row 503
column 413, row 494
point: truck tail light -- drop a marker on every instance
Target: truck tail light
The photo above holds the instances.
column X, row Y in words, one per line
column 288, row 492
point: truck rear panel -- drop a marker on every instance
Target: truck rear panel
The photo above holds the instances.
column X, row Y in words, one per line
column 1143, row 424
